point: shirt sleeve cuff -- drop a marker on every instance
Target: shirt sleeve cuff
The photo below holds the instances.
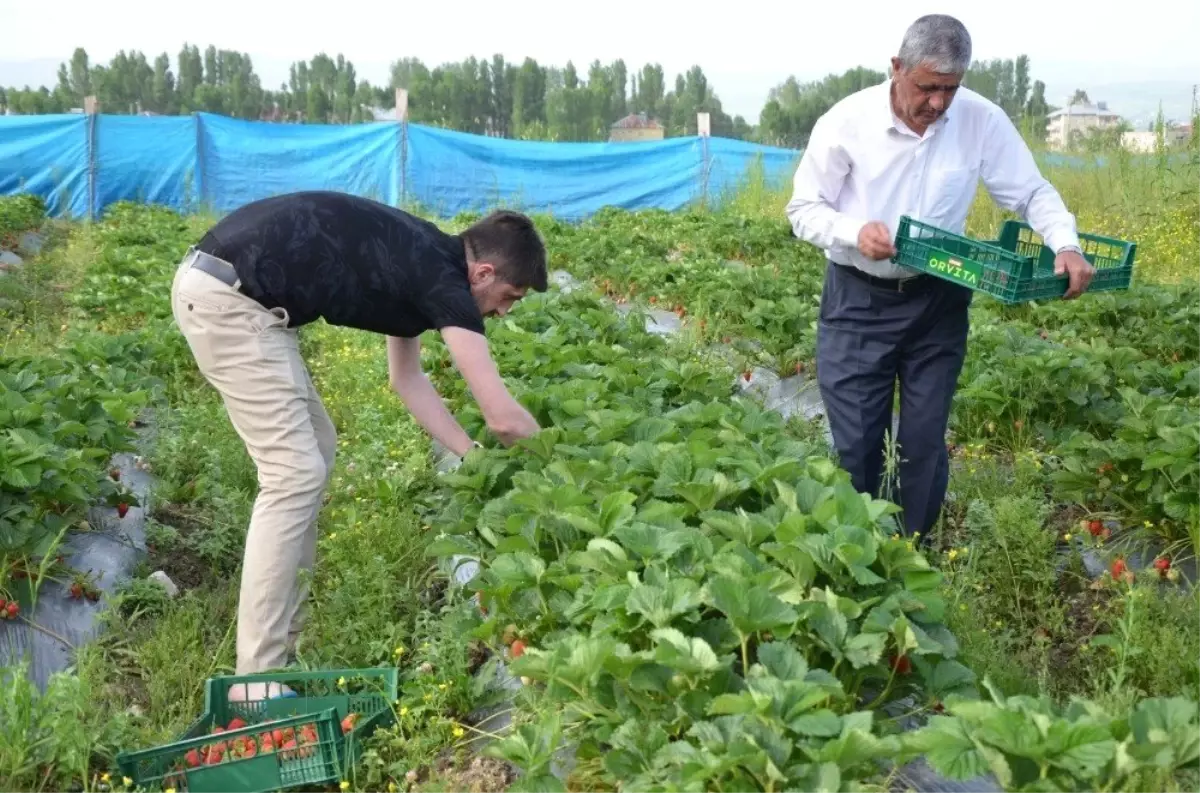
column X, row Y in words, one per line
column 1061, row 238
column 846, row 229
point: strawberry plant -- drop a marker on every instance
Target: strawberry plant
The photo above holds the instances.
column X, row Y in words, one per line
column 60, row 421
column 19, row 213
column 1027, row 743
column 1148, row 470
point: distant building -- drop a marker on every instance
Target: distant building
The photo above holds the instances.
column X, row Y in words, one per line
column 1078, row 119
column 1147, row 141
column 635, row 127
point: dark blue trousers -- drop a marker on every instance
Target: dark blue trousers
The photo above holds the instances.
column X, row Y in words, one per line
column 869, row 337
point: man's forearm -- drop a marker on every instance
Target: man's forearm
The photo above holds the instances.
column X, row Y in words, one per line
column 822, row 225
column 1047, row 214
column 426, row 406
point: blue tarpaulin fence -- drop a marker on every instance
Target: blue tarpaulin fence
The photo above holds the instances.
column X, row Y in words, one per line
column 81, row 164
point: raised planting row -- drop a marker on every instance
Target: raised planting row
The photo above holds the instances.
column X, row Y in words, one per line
column 65, row 411
column 1101, row 388
column 699, row 597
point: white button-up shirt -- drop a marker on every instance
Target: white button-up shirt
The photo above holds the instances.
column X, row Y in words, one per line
column 863, row 164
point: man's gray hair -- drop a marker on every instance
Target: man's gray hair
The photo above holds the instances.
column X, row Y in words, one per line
column 940, row 42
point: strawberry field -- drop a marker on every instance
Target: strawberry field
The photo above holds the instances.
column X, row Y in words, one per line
column 677, row 588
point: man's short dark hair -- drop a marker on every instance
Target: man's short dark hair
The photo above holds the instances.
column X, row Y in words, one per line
column 509, row 241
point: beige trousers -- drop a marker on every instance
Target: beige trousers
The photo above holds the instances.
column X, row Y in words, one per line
column 253, row 359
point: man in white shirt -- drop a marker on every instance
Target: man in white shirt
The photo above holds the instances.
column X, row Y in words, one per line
column 915, row 145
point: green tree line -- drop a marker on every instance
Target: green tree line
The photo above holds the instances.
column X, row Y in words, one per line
column 793, row 108
column 497, row 97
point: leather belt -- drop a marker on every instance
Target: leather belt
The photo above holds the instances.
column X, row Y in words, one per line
column 218, row 268
column 892, row 284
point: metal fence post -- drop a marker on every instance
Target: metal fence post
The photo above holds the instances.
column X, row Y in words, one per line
column 704, row 130
column 402, row 117
column 199, row 161
column 91, row 107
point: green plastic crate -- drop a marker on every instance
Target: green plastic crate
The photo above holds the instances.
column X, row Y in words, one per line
column 321, row 700
column 1015, row 268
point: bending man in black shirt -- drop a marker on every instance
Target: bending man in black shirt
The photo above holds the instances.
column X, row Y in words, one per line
column 275, row 265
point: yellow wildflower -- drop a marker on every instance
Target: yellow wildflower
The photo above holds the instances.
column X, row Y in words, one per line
column 345, row 785
column 341, row 682
column 458, row 732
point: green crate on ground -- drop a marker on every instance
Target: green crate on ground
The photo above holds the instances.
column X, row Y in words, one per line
column 322, row 698
column 1015, row 268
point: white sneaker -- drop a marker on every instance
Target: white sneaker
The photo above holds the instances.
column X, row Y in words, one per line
column 254, row 692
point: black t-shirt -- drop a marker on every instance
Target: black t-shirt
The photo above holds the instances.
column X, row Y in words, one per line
column 351, row 261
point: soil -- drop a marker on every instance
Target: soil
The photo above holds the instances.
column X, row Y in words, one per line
column 477, row 655
column 474, row 775
column 180, row 562
column 1082, row 622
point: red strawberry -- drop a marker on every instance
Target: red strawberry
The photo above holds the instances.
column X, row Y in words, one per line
column 122, row 508
column 746, row 375
column 218, row 730
column 115, row 474
column 1162, row 564
column 1095, row 527
column 76, row 590
column 1118, row 568
column 13, row 610
column 192, row 758
column 236, row 723
column 93, row 595
column 277, row 736
column 901, row 664
column 348, row 722
column 518, row 648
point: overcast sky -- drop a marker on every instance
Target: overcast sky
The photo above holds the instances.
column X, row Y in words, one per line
column 745, row 50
